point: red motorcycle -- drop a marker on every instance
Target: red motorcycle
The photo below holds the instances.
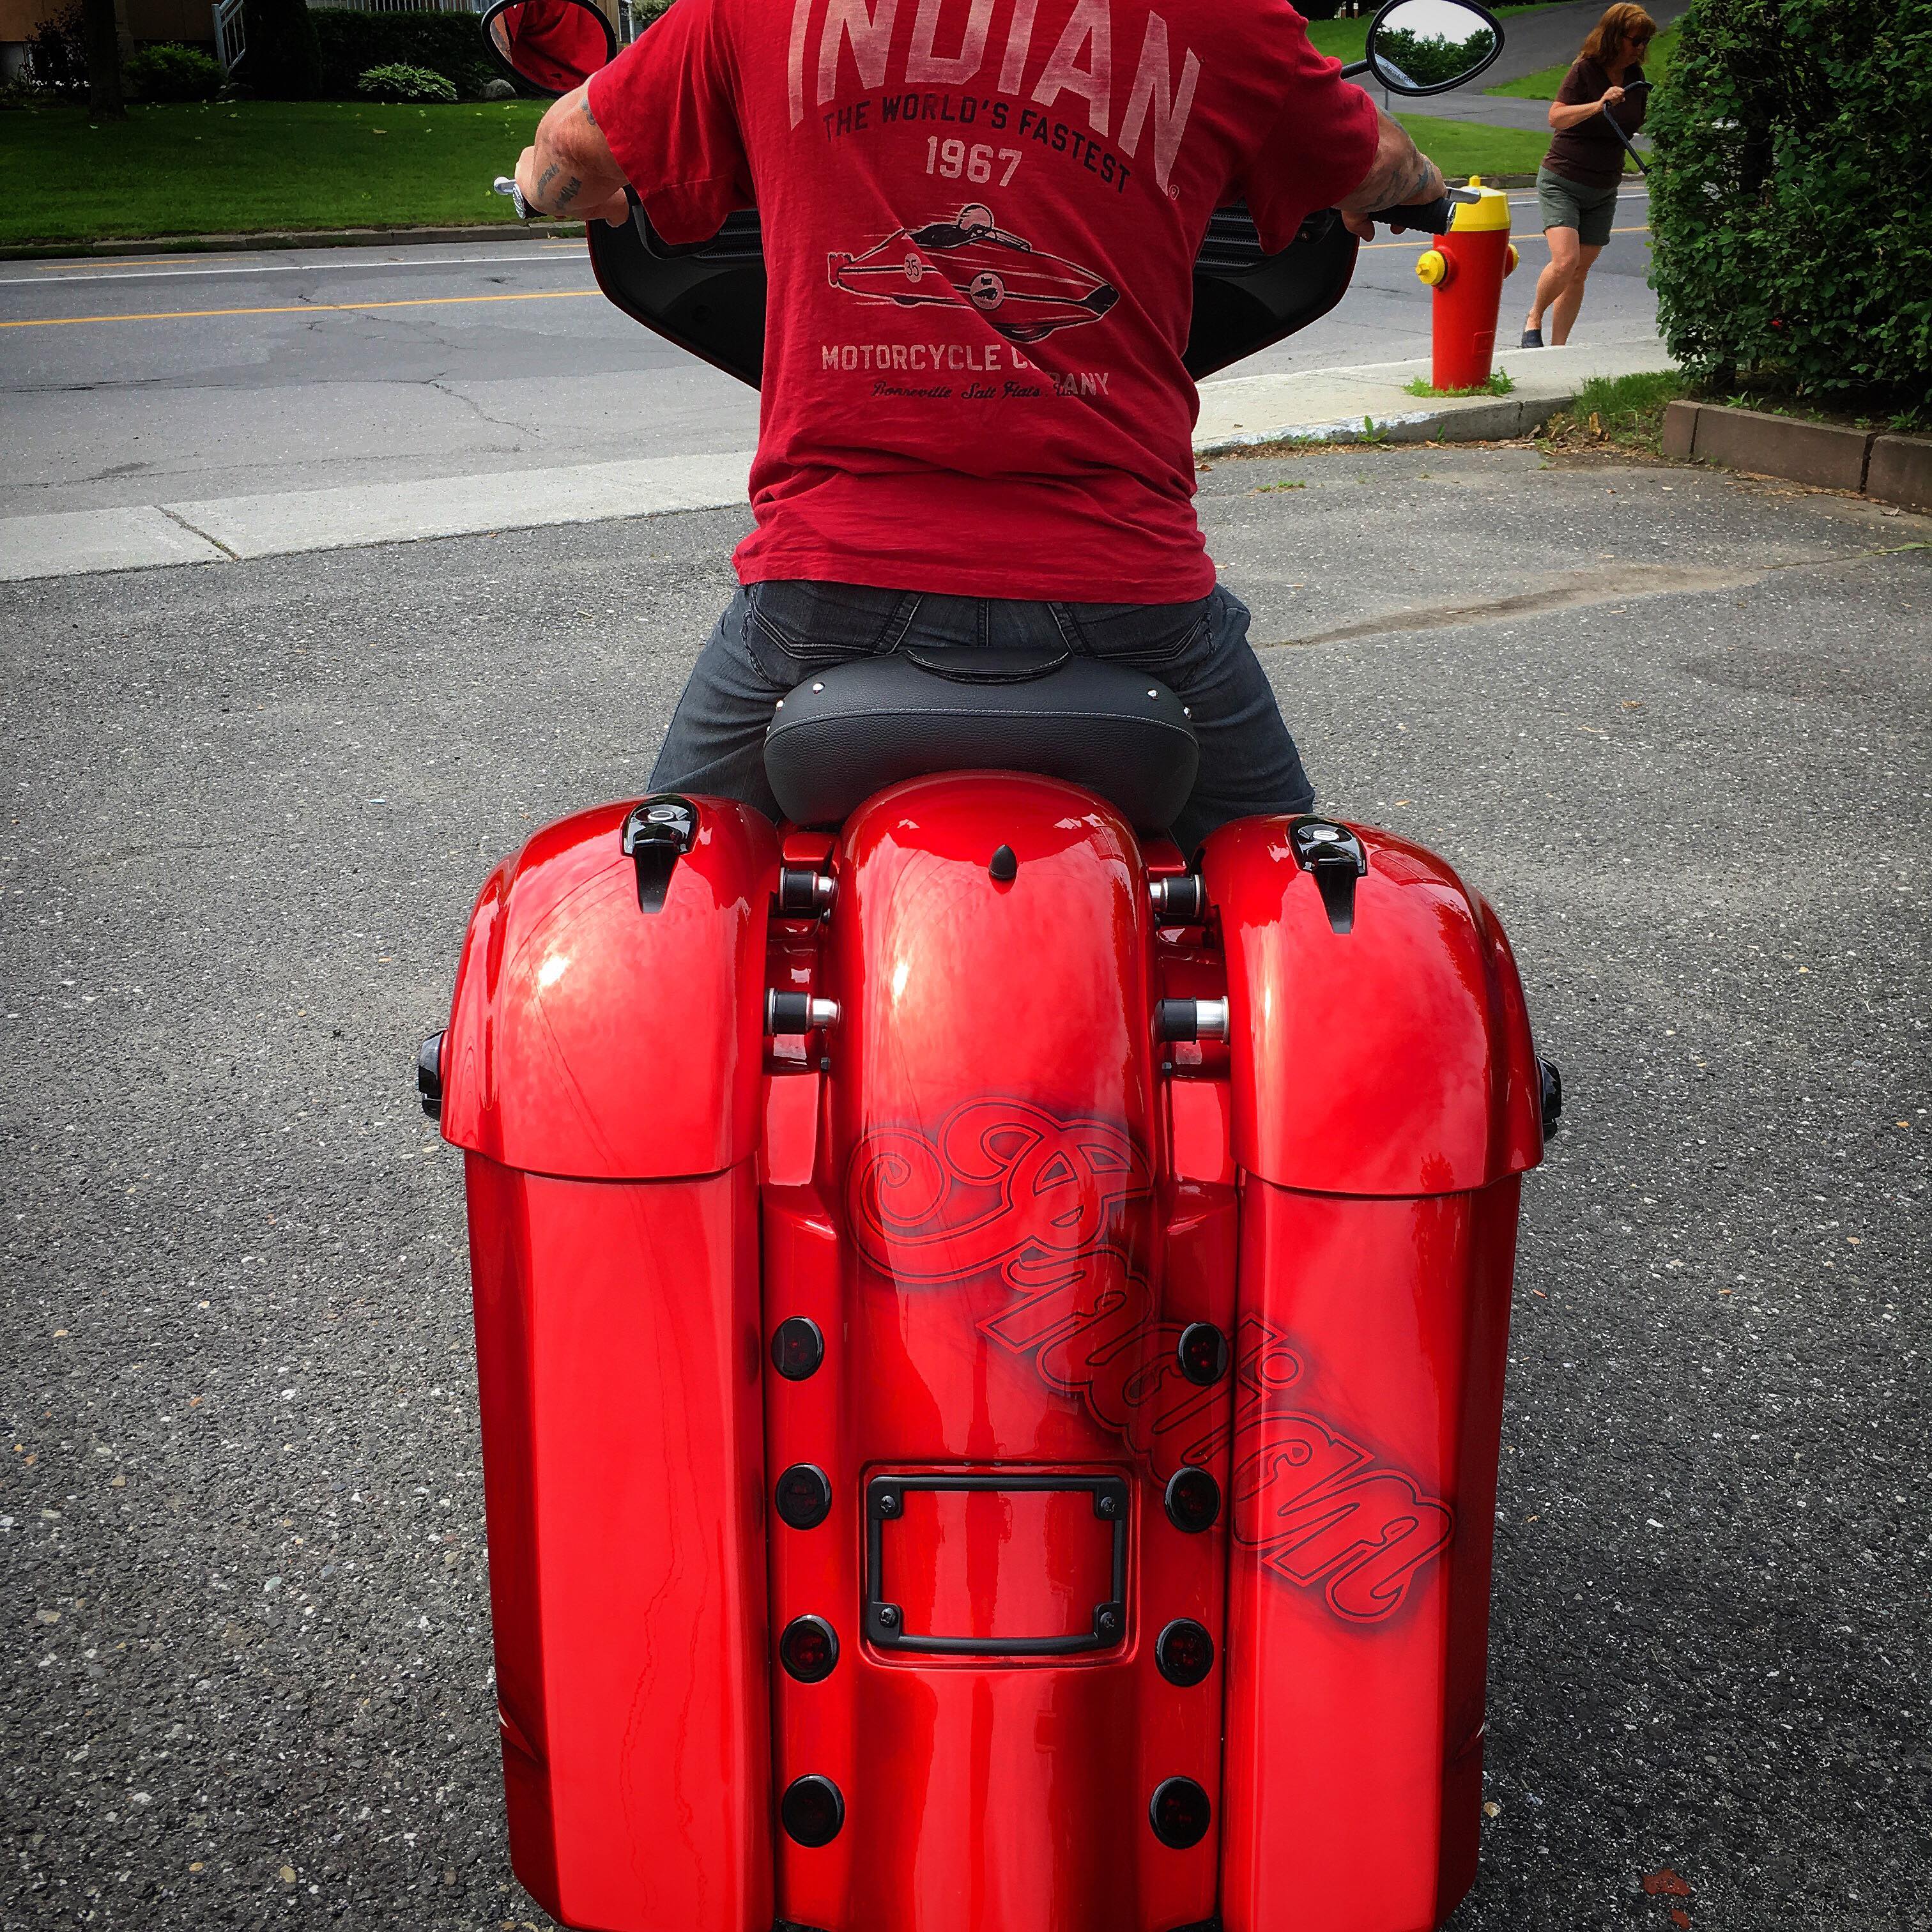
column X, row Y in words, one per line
column 991, row 1335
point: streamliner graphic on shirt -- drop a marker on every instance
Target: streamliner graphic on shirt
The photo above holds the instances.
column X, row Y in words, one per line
column 970, row 261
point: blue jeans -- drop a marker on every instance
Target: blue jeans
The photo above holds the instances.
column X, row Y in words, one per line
column 774, row 636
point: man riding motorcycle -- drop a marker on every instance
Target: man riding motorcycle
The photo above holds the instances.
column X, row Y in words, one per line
column 980, row 221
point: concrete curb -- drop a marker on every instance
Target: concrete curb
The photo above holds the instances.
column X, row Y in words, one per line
column 1479, row 419
column 235, row 529
column 290, row 238
column 1372, row 404
column 1893, row 468
column 1314, row 405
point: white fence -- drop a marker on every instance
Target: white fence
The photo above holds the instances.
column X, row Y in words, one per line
column 231, row 34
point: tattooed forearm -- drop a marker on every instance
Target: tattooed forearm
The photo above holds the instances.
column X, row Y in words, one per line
column 551, row 198
column 569, row 169
column 1401, row 176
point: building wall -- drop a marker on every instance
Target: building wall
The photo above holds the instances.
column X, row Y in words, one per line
column 144, row 20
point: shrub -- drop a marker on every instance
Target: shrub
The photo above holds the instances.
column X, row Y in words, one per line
column 1789, row 203
column 447, row 44
column 283, row 62
column 399, row 81
column 173, row 72
column 57, row 55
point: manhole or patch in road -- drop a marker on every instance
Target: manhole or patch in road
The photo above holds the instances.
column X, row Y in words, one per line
column 1783, row 674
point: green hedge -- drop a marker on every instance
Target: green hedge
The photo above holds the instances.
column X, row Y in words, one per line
column 446, row 44
column 1791, row 198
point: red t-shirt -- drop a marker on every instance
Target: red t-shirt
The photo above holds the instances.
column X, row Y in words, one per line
column 980, row 221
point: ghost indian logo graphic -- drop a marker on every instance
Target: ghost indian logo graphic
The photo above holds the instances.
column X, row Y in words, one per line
column 1005, row 1191
column 970, row 261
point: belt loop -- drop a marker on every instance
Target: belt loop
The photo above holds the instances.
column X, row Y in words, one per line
column 902, row 621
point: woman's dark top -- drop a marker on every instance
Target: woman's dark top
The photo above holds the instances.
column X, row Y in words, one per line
column 1590, row 155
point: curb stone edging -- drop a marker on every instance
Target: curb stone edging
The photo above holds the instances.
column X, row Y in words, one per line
column 1892, row 469
column 1900, row 472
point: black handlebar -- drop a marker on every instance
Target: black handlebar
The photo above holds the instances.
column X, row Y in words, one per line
column 1433, row 216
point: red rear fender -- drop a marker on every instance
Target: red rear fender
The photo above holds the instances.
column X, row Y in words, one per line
column 592, row 1039
column 1393, row 1058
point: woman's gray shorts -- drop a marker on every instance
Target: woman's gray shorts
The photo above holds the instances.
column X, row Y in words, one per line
column 1563, row 204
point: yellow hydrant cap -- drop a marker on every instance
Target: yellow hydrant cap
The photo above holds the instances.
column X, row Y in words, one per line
column 1431, row 268
column 1473, row 217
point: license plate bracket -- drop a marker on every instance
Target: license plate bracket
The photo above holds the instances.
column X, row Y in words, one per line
column 885, row 1621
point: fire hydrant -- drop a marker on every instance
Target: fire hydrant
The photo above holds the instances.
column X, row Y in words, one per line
column 1466, row 269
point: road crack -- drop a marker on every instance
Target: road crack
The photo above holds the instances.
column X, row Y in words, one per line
column 194, row 529
column 1614, row 583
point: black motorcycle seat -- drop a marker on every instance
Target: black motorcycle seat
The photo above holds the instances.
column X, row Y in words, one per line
column 859, row 727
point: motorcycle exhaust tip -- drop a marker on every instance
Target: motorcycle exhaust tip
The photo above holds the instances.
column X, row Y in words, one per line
column 795, row 1013
column 1191, row 1019
column 1179, row 899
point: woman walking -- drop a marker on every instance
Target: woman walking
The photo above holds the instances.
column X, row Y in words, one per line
column 1576, row 185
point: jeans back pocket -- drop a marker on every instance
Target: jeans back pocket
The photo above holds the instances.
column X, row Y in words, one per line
column 794, row 626
column 1146, row 636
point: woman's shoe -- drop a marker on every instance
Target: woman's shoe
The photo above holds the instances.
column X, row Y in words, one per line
column 1532, row 338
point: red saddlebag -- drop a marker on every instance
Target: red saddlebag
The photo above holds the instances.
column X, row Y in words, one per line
column 1385, row 1100
column 602, row 1069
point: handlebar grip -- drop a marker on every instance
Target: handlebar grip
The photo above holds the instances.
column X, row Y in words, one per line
column 1434, row 216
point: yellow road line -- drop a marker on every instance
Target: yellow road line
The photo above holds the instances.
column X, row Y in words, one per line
column 432, row 302
column 296, row 308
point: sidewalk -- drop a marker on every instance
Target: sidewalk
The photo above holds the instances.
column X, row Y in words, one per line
column 1349, row 405
column 1372, row 403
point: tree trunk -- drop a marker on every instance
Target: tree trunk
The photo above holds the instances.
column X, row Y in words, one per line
column 101, row 32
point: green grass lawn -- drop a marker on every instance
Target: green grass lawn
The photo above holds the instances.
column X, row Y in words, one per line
column 1463, row 148
column 232, row 167
column 1542, row 85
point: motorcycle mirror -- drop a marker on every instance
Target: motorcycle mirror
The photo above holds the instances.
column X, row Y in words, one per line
column 1428, row 46
column 551, row 45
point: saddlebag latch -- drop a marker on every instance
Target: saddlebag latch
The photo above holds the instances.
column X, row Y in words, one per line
column 657, row 834
column 1336, row 856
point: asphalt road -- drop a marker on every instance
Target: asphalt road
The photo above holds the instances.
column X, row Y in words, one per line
column 246, row 1678
column 148, row 380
